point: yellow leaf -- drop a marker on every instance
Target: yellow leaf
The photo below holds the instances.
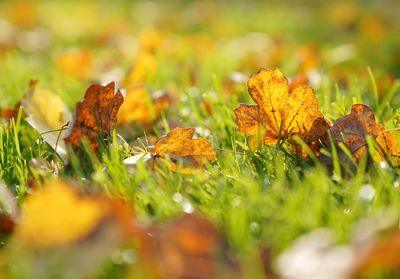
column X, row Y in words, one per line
column 47, row 113
column 140, row 108
column 280, row 112
column 56, row 215
column 76, row 62
column 145, row 66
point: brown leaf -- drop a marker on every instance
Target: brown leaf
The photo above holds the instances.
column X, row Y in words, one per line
column 179, row 142
column 280, row 111
column 188, row 247
column 382, row 257
column 95, row 115
column 352, row 129
column 7, row 224
column 8, row 113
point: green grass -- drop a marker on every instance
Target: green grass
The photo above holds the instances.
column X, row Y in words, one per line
column 263, row 198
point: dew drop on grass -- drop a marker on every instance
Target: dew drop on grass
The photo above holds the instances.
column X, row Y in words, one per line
column 396, row 184
column 266, row 182
column 384, row 165
column 367, row 192
column 177, row 197
column 187, row 207
column 254, row 227
column 335, row 178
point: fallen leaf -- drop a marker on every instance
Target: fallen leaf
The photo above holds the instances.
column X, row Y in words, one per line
column 178, row 150
column 352, row 130
column 8, row 113
column 95, row 115
column 149, row 40
column 179, row 143
column 55, row 215
column 63, row 227
column 308, row 58
column 301, row 80
column 188, row 247
column 280, row 113
column 388, row 145
column 23, row 13
column 7, row 225
column 46, row 113
column 141, row 108
column 314, row 137
column 76, row 62
column 144, row 67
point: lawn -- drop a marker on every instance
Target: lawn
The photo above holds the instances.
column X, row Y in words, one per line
column 126, row 150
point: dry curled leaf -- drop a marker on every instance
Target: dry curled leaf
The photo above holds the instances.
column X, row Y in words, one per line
column 352, row 130
column 188, row 247
column 141, row 108
column 95, row 115
column 280, row 112
column 179, row 143
column 178, row 146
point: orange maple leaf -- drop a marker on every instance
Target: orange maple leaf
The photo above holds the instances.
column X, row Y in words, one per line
column 281, row 112
column 178, row 145
column 95, row 115
column 388, row 145
column 179, row 142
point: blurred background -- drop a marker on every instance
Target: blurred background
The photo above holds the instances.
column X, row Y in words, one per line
column 65, row 44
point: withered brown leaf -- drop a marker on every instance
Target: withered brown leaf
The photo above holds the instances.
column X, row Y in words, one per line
column 352, row 130
column 95, row 115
